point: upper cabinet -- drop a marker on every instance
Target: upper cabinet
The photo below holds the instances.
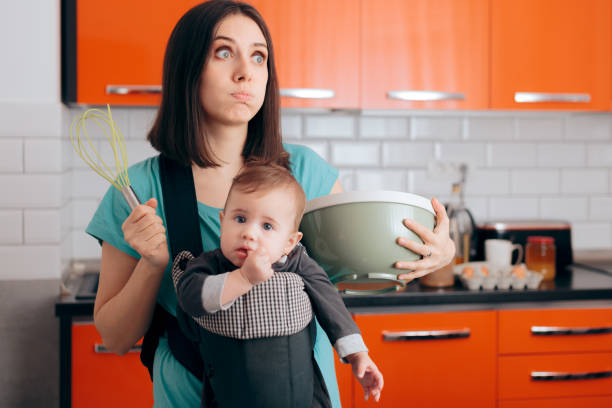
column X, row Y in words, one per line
column 424, row 54
column 551, row 54
column 316, row 44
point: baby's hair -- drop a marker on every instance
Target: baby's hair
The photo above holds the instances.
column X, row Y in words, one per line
column 264, row 176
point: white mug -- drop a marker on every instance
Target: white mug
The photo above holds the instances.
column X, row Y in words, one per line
column 499, row 252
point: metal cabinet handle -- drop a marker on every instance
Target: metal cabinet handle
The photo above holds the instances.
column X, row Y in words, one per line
column 133, row 89
column 568, row 331
column 100, row 349
column 536, row 97
column 426, row 335
column 554, row 376
column 425, row 96
column 307, row 93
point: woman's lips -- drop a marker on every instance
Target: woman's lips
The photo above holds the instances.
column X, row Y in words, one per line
column 242, row 96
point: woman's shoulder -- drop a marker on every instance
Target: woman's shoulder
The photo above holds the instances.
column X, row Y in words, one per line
column 315, row 175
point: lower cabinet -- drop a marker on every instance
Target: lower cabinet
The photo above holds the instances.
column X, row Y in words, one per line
column 583, row 402
column 431, row 359
column 103, row 379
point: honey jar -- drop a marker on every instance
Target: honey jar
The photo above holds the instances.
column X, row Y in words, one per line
column 540, row 253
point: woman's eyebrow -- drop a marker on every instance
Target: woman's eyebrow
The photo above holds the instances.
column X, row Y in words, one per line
column 222, row 37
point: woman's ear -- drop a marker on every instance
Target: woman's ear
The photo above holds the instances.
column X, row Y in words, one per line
column 292, row 242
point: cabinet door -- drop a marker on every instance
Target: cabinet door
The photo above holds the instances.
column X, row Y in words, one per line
column 551, row 54
column 425, row 54
column 590, row 402
column 121, row 44
column 316, row 44
column 344, row 375
column 103, row 379
column 432, row 359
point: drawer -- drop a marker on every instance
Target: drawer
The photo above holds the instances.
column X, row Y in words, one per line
column 103, row 379
column 587, row 402
column 555, row 331
column 541, row 376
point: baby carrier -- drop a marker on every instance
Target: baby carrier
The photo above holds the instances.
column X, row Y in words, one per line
column 243, row 355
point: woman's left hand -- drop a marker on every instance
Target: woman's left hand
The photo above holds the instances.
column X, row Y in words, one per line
column 438, row 249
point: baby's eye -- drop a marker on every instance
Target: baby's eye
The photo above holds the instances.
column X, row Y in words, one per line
column 240, row 219
column 223, row 53
column 259, row 59
column 267, row 226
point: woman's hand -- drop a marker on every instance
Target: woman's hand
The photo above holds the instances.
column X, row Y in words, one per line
column 438, row 249
column 144, row 231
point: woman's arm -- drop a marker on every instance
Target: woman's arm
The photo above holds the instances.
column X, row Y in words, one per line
column 128, row 288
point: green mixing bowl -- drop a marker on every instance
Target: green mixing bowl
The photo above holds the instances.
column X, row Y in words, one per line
column 353, row 235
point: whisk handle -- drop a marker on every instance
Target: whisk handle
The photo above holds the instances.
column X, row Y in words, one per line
column 130, row 197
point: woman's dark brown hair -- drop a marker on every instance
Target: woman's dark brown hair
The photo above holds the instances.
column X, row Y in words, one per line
column 177, row 131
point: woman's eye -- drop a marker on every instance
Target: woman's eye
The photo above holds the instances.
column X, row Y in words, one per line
column 259, row 59
column 267, row 226
column 240, row 219
column 223, row 53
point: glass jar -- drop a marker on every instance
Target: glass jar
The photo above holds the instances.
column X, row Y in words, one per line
column 540, row 253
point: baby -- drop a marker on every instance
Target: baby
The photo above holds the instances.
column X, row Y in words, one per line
column 249, row 304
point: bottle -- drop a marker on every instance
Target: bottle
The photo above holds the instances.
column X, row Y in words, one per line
column 540, row 253
column 463, row 233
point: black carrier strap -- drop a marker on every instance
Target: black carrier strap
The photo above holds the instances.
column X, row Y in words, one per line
column 183, row 226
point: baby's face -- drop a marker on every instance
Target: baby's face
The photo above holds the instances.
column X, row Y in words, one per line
column 254, row 220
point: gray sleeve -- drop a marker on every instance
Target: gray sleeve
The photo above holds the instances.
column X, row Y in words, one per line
column 353, row 343
column 212, row 291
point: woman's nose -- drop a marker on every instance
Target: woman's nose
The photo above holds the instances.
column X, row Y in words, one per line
column 242, row 71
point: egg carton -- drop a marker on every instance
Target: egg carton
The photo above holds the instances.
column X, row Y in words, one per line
column 483, row 275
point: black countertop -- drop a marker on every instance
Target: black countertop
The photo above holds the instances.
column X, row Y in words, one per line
column 576, row 284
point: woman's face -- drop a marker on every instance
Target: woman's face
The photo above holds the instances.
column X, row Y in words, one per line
column 234, row 77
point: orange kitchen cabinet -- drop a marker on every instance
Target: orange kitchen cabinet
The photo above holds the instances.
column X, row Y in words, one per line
column 412, row 47
column 590, row 402
column 316, row 45
column 555, row 331
column 555, row 375
column 103, row 379
column 344, row 375
column 121, row 43
column 432, row 371
column 554, row 52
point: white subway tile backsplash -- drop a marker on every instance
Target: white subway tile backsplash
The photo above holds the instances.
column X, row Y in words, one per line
column 436, row 128
column 332, row 126
column 84, row 246
column 490, row 128
column 564, row 208
column 11, row 155
column 43, row 155
column 588, row 126
column 419, row 182
column 353, row 154
column 487, row 182
column 407, row 154
column 11, row 227
column 584, row 181
column 291, row 126
column 479, row 207
column 372, row 127
column 138, row 124
column 347, row 179
column 539, row 128
column 561, row 155
column 513, row 208
column 599, row 155
column 29, row 191
column 31, row 119
column 320, row 148
column 512, row 155
column 600, row 208
column 82, row 212
column 381, row 180
column 534, row 181
column 591, row 235
column 27, row 262
column 42, row 226
column 472, row 154
column 88, row 184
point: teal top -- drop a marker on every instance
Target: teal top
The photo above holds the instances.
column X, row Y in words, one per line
column 173, row 385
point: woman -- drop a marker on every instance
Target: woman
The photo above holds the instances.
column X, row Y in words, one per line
column 220, row 106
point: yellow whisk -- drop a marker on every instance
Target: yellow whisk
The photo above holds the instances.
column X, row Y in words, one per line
column 119, row 179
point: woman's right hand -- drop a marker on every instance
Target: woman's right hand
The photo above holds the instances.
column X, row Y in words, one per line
column 144, row 231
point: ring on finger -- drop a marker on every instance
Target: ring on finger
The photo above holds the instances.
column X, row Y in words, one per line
column 428, row 251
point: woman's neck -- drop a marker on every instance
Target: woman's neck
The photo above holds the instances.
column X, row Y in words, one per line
column 227, row 143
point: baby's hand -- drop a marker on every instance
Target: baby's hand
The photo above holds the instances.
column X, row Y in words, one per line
column 257, row 267
column 367, row 374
